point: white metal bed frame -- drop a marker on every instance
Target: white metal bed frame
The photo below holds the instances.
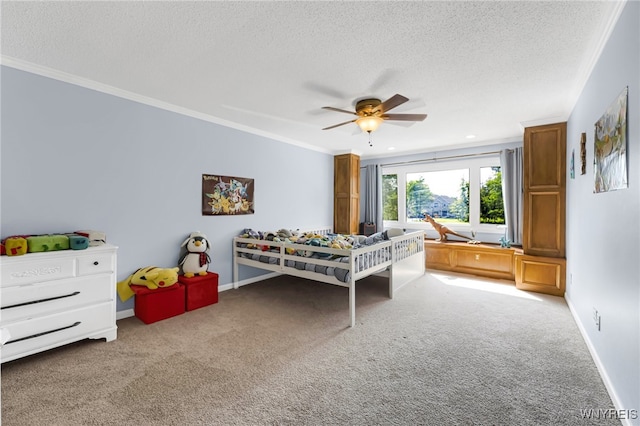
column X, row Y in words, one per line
column 406, row 263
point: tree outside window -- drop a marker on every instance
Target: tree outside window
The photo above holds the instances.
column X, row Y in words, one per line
column 419, row 197
column 442, row 194
column 459, row 209
column 390, row 197
column 491, row 203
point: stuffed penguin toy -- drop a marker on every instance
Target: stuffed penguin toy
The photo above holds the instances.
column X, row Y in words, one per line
column 196, row 260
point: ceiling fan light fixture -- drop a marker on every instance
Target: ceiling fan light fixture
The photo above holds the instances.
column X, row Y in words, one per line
column 372, row 112
column 369, row 123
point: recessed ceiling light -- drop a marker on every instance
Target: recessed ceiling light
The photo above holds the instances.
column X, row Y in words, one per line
column 391, row 148
column 471, row 136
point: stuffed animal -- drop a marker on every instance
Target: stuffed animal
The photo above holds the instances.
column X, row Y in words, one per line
column 196, row 260
column 319, row 242
column 15, row 246
column 250, row 233
column 151, row 276
column 285, row 233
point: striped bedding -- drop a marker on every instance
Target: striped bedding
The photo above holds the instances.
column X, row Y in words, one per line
column 306, row 254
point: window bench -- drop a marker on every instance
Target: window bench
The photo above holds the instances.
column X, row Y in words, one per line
column 486, row 260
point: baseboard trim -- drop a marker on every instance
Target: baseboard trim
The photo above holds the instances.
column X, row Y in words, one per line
column 127, row 313
column 596, row 359
column 257, row 279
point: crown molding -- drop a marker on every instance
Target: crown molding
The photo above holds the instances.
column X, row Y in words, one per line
column 543, row 121
column 597, row 52
column 135, row 97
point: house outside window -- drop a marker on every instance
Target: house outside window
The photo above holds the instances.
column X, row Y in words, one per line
column 464, row 195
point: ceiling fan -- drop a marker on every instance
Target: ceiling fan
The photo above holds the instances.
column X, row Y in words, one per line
column 372, row 112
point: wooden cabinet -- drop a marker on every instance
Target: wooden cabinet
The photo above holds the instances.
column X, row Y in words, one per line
column 532, row 273
column 544, row 190
column 54, row 298
column 477, row 259
column 541, row 274
column 346, row 199
column 542, row 267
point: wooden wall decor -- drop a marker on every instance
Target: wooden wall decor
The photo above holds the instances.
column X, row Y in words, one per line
column 583, row 153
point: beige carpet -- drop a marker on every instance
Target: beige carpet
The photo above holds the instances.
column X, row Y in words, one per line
column 446, row 350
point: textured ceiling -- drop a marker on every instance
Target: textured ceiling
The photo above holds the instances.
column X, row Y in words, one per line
column 482, row 67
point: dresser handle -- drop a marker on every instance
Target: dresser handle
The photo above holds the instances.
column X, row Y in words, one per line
column 43, row 333
column 96, row 263
column 75, row 293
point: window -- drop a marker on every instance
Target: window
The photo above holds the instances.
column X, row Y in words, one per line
column 491, row 204
column 428, row 192
column 390, row 197
column 461, row 194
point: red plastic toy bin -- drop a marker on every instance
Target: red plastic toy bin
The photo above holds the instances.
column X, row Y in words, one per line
column 162, row 303
column 201, row 290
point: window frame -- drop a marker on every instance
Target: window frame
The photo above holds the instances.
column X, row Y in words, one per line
column 473, row 164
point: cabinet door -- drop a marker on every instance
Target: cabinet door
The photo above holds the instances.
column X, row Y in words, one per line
column 346, row 200
column 495, row 263
column 544, row 190
column 437, row 256
column 541, row 274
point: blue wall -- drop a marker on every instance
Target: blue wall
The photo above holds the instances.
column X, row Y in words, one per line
column 74, row 158
column 603, row 261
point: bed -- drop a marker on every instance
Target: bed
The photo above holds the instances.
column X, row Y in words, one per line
column 401, row 258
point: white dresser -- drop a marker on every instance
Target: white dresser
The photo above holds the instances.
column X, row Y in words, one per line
column 54, row 298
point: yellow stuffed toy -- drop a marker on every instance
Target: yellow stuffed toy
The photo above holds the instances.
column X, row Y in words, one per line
column 151, row 276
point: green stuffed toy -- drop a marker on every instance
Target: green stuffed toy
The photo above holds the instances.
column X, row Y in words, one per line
column 151, row 277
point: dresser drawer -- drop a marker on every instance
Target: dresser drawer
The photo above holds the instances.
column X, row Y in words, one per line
column 19, row 272
column 53, row 298
column 29, row 300
column 97, row 263
column 46, row 332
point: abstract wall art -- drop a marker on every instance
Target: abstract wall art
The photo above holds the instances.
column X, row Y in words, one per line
column 610, row 147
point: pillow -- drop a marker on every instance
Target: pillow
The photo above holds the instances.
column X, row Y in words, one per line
column 373, row 238
column 393, row 232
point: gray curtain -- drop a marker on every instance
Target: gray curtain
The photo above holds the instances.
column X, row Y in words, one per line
column 512, row 189
column 373, row 196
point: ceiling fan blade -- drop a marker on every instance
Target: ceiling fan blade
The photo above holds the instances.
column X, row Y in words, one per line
column 404, row 117
column 393, row 102
column 339, row 110
column 338, row 125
